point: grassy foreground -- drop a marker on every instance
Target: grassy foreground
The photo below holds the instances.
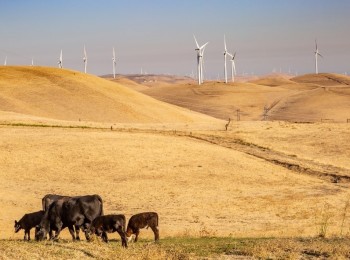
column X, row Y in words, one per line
column 182, row 248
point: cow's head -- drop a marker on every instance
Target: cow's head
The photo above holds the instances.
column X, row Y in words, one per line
column 18, row 226
column 40, row 233
column 130, row 236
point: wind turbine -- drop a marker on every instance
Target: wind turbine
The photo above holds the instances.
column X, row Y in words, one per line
column 233, row 66
column 5, row 63
column 85, row 59
column 32, row 62
column 200, row 53
column 114, row 62
column 60, row 61
column 225, row 54
column 316, row 56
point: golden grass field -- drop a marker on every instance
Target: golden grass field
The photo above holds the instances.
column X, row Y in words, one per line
column 307, row 98
column 258, row 179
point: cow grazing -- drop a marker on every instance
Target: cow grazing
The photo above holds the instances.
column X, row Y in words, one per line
column 109, row 224
column 49, row 198
column 69, row 212
column 27, row 222
column 142, row 220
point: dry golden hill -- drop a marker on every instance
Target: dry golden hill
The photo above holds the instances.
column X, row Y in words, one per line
column 305, row 98
column 221, row 100
column 327, row 99
column 323, row 79
column 69, row 95
column 274, row 80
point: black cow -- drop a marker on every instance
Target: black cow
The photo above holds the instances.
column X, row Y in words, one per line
column 109, row 224
column 27, row 222
column 49, row 198
column 68, row 212
column 142, row 220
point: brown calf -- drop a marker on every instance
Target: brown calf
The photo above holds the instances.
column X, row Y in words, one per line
column 142, row 220
column 109, row 223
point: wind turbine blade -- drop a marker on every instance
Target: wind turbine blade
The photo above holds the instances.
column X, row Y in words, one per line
column 225, row 43
column 234, row 56
column 196, row 41
column 113, row 53
column 319, row 54
column 203, row 46
column 234, row 66
column 229, row 54
column 85, row 56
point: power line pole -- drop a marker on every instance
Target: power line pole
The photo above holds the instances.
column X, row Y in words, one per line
column 238, row 111
column 265, row 115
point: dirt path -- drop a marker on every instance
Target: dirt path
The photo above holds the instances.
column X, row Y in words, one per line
column 298, row 165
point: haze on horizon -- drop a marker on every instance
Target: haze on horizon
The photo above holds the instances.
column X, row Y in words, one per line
column 157, row 35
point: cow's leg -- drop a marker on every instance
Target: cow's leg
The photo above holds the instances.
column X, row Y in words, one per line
column 86, row 228
column 137, row 234
column 58, row 231
column 25, row 234
column 28, row 234
column 71, row 231
column 77, row 230
column 123, row 237
column 50, row 234
column 156, row 232
column 104, row 236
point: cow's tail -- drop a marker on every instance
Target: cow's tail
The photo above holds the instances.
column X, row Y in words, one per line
column 157, row 219
column 100, row 199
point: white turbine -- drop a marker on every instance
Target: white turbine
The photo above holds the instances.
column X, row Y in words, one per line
column 114, row 62
column 5, row 63
column 200, row 53
column 60, row 61
column 233, row 66
column 316, row 56
column 85, row 59
column 225, row 53
column 32, row 62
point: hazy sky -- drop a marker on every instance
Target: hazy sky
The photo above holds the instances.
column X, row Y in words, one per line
column 157, row 35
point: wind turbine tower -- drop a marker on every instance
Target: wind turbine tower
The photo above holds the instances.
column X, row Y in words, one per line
column 200, row 53
column 85, row 59
column 233, row 66
column 316, row 56
column 114, row 62
column 60, row 61
column 225, row 54
column 5, row 63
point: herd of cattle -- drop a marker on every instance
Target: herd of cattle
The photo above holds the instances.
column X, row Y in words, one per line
column 83, row 213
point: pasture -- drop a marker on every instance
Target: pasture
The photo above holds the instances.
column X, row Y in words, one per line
column 260, row 189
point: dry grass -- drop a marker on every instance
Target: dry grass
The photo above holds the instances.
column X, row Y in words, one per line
column 135, row 172
column 182, row 248
column 205, row 193
column 306, row 98
column 69, row 95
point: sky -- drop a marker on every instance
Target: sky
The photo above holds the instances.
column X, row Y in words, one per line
column 157, row 35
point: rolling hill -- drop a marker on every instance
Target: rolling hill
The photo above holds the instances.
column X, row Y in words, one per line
column 308, row 98
column 70, row 95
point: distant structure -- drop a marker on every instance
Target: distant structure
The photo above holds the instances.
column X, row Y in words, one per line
column 85, row 59
column 225, row 54
column 200, row 53
column 5, row 62
column 316, row 56
column 114, row 61
column 233, row 66
column 60, row 61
